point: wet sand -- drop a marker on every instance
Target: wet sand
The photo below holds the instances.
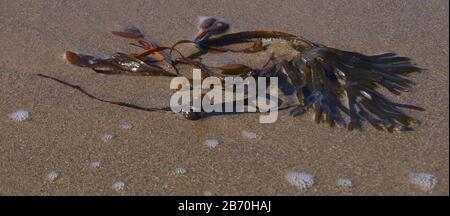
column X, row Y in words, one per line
column 66, row 133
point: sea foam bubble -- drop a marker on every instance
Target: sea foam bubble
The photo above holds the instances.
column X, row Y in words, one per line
column 52, row 176
column 126, row 126
column 180, row 170
column 209, row 193
column 302, row 180
column 345, row 182
column 95, row 164
column 250, row 135
column 212, row 143
column 20, row 115
column 119, row 186
column 108, row 137
column 424, row 181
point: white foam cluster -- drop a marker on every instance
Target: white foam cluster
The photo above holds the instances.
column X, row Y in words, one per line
column 209, row 193
column 119, row 186
column 345, row 182
column 108, row 137
column 126, row 126
column 95, row 164
column 425, row 181
column 52, row 176
column 250, row 135
column 180, row 170
column 212, row 143
column 20, row 115
column 302, row 180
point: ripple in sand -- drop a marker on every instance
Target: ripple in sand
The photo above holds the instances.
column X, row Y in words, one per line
column 425, row 181
column 126, row 126
column 20, row 115
column 119, row 186
column 250, row 135
column 345, row 182
column 108, row 137
column 212, row 143
column 53, row 176
column 180, row 170
column 302, row 180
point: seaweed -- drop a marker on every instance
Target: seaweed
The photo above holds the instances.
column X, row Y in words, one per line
column 340, row 87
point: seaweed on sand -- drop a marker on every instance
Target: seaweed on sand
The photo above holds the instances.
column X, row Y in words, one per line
column 341, row 87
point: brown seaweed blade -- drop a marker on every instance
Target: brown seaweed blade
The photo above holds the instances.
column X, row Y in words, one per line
column 118, row 63
column 104, row 66
column 257, row 46
column 81, row 60
column 132, row 32
column 335, row 72
column 246, row 36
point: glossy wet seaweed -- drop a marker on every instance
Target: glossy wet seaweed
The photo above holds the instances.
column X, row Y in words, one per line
column 326, row 79
column 340, row 87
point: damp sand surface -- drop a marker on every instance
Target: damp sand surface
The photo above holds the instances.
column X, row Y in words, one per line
column 64, row 129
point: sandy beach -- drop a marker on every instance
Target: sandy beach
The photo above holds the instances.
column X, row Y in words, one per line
column 64, row 149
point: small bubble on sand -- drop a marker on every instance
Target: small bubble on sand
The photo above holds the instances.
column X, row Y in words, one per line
column 302, row 180
column 425, row 181
column 209, row 193
column 20, row 115
column 345, row 182
column 107, row 137
column 119, row 186
column 84, row 136
column 212, row 143
column 180, row 170
column 250, row 135
column 95, row 164
column 126, row 126
column 52, row 176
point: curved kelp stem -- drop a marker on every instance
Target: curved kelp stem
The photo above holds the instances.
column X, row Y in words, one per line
column 162, row 109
